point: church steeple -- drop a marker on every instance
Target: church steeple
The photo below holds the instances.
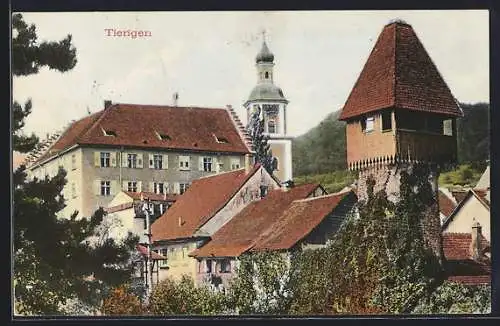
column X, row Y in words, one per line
column 269, row 99
column 265, row 63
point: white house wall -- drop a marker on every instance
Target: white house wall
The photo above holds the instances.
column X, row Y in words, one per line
column 471, row 209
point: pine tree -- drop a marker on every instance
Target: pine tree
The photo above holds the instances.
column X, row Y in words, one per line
column 263, row 154
column 55, row 259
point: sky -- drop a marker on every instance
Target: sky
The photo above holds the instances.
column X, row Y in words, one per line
column 209, row 59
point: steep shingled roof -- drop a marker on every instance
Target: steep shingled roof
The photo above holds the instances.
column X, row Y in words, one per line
column 399, row 73
column 299, row 220
column 201, row 201
column 137, row 125
column 241, row 232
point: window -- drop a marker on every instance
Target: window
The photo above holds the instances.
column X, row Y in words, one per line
column 163, row 136
column 235, row 163
column 370, row 124
column 225, row 266
column 221, row 140
column 105, row 188
column 263, row 191
column 105, row 157
column 162, row 263
column 183, row 187
column 448, row 127
column 132, row 161
column 267, row 75
column 132, row 186
column 158, row 188
column 73, row 162
column 207, row 164
column 386, row 121
column 208, row 268
column 157, row 161
column 184, row 163
column 271, row 127
column 220, row 167
column 111, row 133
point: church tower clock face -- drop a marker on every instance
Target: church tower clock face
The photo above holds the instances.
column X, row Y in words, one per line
column 269, row 98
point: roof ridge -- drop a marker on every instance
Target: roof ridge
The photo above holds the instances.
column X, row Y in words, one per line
column 166, row 106
column 337, row 194
column 242, row 132
column 217, row 174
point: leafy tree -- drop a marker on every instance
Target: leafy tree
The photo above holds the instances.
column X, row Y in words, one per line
column 262, row 284
column 121, row 301
column 263, row 154
column 56, row 260
column 28, row 56
column 184, row 298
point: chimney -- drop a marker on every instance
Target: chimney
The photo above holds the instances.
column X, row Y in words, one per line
column 107, row 104
column 248, row 163
column 476, row 241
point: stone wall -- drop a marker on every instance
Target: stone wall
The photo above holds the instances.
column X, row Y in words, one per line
column 388, row 177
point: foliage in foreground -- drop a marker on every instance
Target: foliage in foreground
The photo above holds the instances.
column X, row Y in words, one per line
column 184, row 298
column 121, row 301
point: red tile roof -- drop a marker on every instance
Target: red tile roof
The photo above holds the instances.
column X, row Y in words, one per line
column 460, row 265
column 446, row 205
column 298, row 220
column 241, row 232
column 136, row 125
column 399, row 73
column 456, row 246
column 118, row 208
column 144, row 252
column 201, row 201
column 151, row 196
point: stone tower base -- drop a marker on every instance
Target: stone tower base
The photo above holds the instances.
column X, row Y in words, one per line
column 388, row 177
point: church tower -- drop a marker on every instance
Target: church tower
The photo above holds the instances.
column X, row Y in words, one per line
column 270, row 99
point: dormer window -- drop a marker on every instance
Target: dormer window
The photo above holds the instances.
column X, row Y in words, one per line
column 162, row 136
column 109, row 132
column 221, row 140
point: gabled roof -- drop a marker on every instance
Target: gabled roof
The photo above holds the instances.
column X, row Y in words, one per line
column 460, row 265
column 299, row 220
column 201, row 201
column 399, row 74
column 137, row 125
column 480, row 195
column 241, row 232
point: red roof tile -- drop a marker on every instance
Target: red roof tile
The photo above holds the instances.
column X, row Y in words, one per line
column 399, row 73
column 151, row 196
column 298, row 220
column 456, row 246
column 460, row 266
column 136, row 125
column 241, row 232
column 471, row 279
column 446, row 205
column 202, row 200
column 144, row 252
